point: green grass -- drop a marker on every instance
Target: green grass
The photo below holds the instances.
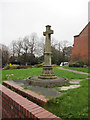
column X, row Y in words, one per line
column 67, row 74
column 20, row 73
column 25, row 73
column 72, row 104
column 86, row 70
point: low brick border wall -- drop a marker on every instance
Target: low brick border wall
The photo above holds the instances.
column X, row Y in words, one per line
column 39, row 99
column 0, row 105
column 16, row 106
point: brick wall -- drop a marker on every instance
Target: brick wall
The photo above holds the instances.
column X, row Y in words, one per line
column 0, row 105
column 32, row 96
column 80, row 50
column 16, row 106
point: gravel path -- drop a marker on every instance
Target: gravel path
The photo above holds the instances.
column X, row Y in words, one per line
column 73, row 71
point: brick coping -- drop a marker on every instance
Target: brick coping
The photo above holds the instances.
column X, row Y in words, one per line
column 34, row 97
column 33, row 110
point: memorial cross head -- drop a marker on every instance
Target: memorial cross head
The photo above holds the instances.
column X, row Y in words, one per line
column 48, row 31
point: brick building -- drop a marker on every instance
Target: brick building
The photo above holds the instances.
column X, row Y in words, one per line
column 81, row 50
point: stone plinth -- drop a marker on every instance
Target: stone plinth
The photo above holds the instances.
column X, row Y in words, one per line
column 35, row 81
column 47, row 73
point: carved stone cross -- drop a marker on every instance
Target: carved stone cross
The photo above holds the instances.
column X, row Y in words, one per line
column 47, row 54
column 47, row 72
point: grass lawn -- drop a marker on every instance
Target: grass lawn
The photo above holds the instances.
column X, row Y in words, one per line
column 68, row 74
column 78, row 69
column 20, row 73
column 72, row 104
column 25, row 73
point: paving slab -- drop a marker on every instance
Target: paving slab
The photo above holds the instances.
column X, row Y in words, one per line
column 48, row 92
column 75, row 81
column 69, row 87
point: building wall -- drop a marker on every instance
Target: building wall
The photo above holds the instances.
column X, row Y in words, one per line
column 80, row 49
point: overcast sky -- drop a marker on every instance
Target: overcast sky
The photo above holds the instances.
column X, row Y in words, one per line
column 19, row 18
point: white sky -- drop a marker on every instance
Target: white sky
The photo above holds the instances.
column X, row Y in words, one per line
column 19, row 18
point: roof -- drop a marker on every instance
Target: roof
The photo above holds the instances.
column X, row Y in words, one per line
column 82, row 30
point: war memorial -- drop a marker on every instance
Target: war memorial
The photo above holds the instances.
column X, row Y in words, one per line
column 47, row 76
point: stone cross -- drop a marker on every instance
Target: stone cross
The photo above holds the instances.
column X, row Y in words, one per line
column 47, row 72
column 47, row 54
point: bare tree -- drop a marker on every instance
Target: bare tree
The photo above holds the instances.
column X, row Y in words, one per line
column 13, row 48
column 5, row 55
column 26, row 44
column 40, row 48
column 18, row 47
column 54, row 42
column 64, row 45
column 33, row 43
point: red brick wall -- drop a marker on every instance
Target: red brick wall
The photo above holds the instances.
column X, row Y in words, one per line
column 0, row 105
column 32, row 96
column 80, row 49
column 16, row 106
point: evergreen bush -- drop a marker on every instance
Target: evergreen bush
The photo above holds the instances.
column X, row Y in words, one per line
column 78, row 63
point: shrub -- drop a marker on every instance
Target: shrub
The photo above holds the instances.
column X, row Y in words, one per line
column 76, row 64
column 79, row 63
column 14, row 67
column 7, row 67
column 85, row 66
column 23, row 66
column 10, row 66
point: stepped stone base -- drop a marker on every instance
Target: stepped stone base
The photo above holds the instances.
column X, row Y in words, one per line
column 35, row 81
column 47, row 73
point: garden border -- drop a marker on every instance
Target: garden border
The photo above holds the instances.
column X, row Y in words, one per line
column 32, row 96
column 16, row 106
